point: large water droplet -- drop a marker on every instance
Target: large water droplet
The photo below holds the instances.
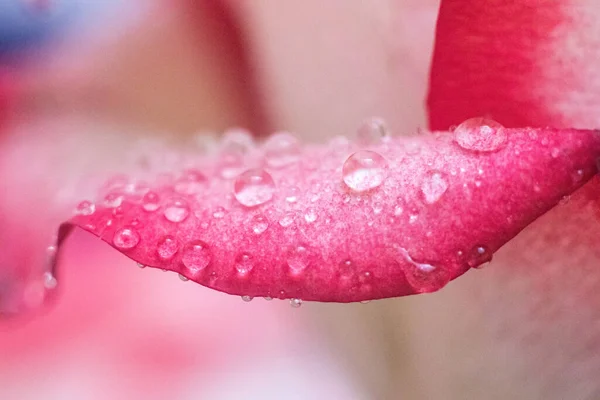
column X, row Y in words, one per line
column 151, row 202
column 479, row 257
column 126, row 238
column 177, row 211
column 364, row 170
column 281, row 149
column 259, row 224
column 167, row 247
column 244, row 263
column 254, row 187
column 85, row 208
column 434, row 186
column 196, row 256
column 372, row 131
column 423, row 277
column 480, row 134
column 298, row 259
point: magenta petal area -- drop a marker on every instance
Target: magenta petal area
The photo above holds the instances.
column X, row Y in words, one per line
column 340, row 222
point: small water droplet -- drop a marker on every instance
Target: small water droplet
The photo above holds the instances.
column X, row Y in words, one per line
column 177, row 211
column 183, row 278
column 190, row 182
column 140, row 265
column 310, row 216
column 254, row 187
column 398, row 210
column 85, row 208
column 372, row 131
column 298, row 259
column 292, row 194
column 237, row 141
column 151, row 202
column 434, row 186
column 126, row 238
column 479, row 257
column 295, row 303
column 377, row 207
column 555, row 152
column 167, row 247
column 247, row 299
column 113, row 200
column 281, row 149
column 365, row 301
column 219, row 212
column 364, row 170
column 346, row 199
column 259, row 224
column 423, row 277
column 50, row 281
column 287, row 219
column 268, row 298
column 480, row 134
column 244, row 264
column 578, row 175
column 196, row 256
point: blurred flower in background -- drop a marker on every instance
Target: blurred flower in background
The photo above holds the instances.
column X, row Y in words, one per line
column 81, row 83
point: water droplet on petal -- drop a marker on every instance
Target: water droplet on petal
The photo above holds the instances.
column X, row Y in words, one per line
column 113, row 200
column 140, row 265
column 50, row 281
column 295, row 303
column 236, row 141
column 281, row 149
column 151, row 202
column 372, row 131
column 126, row 238
column 254, row 187
column 244, row 263
column 191, row 181
column 310, row 216
column 268, row 298
column 85, row 208
column 167, row 247
column 231, row 165
column 479, row 257
column 377, row 207
column 434, row 186
column 196, row 256
column 247, row 299
column 480, row 134
column 219, row 212
column 298, row 260
column 422, row 277
column 364, row 170
column 287, row 219
column 555, row 152
column 259, row 224
column 183, row 278
column 176, row 211
column 292, row 194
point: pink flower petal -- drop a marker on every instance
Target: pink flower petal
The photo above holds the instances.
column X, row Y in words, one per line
column 341, row 223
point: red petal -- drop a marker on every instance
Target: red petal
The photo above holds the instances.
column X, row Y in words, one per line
column 441, row 209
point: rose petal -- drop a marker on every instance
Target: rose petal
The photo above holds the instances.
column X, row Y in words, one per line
column 405, row 216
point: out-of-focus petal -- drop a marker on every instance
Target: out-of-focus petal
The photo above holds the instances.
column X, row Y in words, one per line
column 533, row 312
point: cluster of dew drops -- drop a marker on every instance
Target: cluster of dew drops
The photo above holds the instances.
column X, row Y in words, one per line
column 362, row 171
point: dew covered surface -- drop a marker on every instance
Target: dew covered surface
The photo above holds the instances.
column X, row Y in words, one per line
column 417, row 212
